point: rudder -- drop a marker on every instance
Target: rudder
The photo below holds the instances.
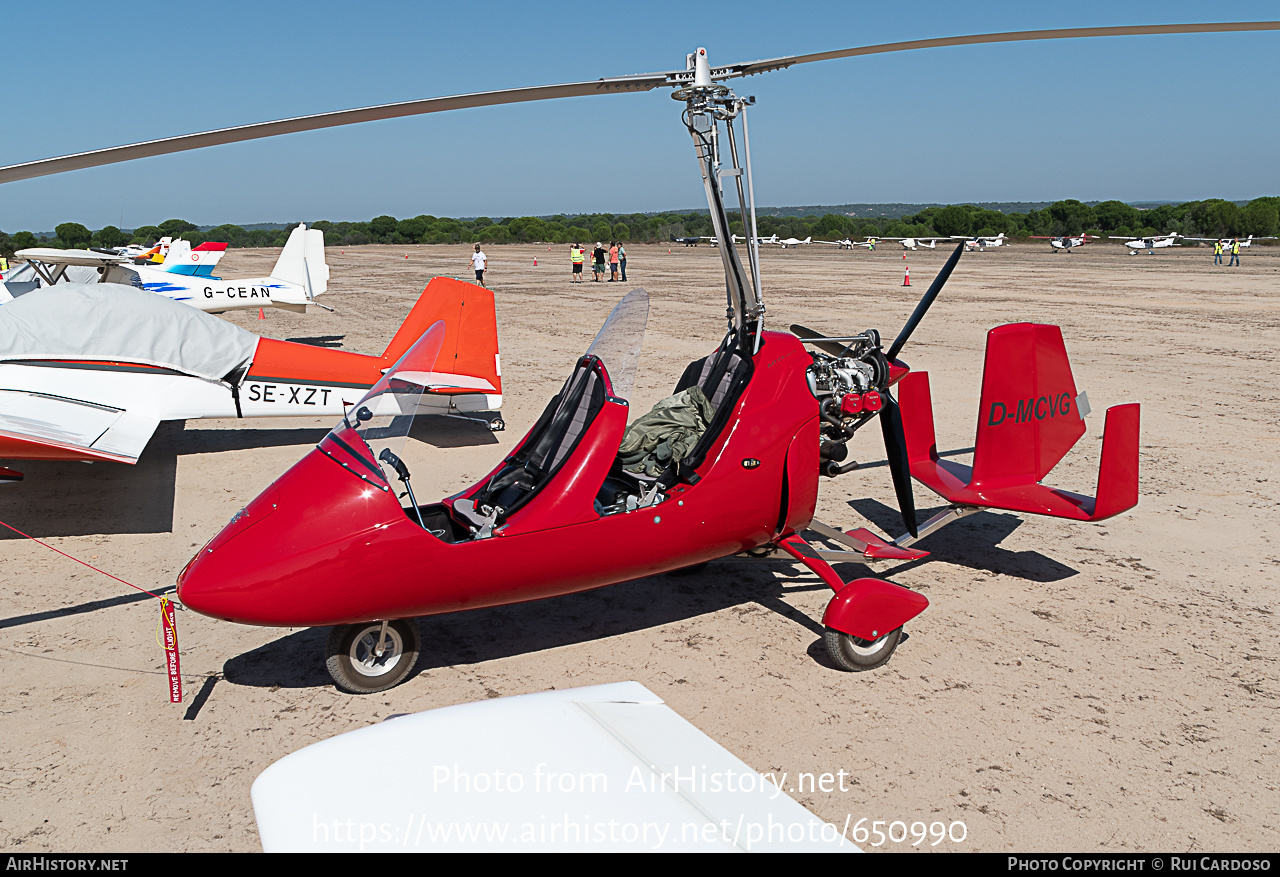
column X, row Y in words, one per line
column 471, row 323
column 1028, row 418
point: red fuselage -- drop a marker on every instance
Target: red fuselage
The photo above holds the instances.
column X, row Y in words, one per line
column 324, row 547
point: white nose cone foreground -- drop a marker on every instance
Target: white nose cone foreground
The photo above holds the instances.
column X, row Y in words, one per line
column 602, row 768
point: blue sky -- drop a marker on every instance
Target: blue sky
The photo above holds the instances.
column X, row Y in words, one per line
column 1142, row 118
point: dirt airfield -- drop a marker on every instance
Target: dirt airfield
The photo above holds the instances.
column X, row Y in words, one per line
column 1108, row 687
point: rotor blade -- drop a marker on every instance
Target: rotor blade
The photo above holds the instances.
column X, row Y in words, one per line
column 750, row 68
column 259, row 130
column 835, row 348
column 642, row 82
column 895, row 449
column 918, row 314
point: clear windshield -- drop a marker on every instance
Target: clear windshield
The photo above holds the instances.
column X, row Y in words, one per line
column 373, row 431
column 619, row 341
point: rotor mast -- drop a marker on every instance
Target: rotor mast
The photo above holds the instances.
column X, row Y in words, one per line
column 707, row 104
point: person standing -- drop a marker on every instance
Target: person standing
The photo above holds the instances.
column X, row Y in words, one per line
column 576, row 256
column 1217, row 252
column 597, row 262
column 480, row 261
column 1235, row 253
column 613, row 262
column 622, row 260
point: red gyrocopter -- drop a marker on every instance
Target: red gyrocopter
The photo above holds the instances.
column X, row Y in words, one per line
column 562, row 513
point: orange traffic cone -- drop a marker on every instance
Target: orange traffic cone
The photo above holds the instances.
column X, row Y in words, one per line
column 261, row 315
column 406, row 255
column 668, row 251
column 906, row 277
column 535, row 262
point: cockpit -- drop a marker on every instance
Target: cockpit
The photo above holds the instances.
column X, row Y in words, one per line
column 580, row 461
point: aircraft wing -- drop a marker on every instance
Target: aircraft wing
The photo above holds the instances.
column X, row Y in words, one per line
column 52, row 256
column 41, row 424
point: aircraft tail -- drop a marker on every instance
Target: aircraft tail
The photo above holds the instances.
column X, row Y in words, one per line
column 197, row 262
column 471, row 329
column 302, row 266
column 1030, row 417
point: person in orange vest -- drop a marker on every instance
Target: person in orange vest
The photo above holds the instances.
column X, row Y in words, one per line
column 576, row 256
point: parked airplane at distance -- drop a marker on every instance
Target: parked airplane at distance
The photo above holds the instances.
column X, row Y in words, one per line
column 300, row 274
column 980, row 242
column 849, row 244
column 1227, row 242
column 96, row 387
column 176, row 257
column 917, row 243
column 785, row 242
column 1150, row 244
column 1064, row 242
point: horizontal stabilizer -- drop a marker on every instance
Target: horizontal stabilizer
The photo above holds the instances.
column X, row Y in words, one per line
column 955, row 482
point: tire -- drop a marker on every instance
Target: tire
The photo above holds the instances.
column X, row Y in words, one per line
column 352, row 664
column 850, row 653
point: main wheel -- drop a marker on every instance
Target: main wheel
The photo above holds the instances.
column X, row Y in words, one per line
column 851, row 653
column 352, row 660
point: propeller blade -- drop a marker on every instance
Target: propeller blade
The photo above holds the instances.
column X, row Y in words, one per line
column 752, row 67
column 259, row 130
column 835, row 348
column 895, row 448
column 613, row 85
column 918, row 314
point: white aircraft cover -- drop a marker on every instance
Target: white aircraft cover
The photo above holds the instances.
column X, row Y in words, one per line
column 602, row 768
column 109, row 321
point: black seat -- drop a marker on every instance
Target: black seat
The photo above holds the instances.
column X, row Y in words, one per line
column 551, row 441
column 722, row 377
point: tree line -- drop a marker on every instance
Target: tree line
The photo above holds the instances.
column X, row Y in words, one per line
column 1210, row 218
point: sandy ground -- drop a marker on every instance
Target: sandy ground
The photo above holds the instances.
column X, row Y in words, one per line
column 1072, row 687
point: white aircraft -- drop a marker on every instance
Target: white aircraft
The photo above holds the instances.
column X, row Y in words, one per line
column 1065, row 242
column 176, row 257
column 88, row 370
column 299, row 276
column 1226, row 242
column 980, row 242
column 1150, row 244
column 849, row 243
column 917, row 243
column 785, row 242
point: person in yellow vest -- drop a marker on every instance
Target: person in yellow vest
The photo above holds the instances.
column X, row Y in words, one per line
column 1235, row 253
column 4, row 264
column 1217, row 252
column 576, row 256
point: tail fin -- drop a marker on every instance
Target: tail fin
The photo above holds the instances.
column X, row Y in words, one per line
column 1028, row 421
column 301, row 264
column 198, row 262
column 471, row 334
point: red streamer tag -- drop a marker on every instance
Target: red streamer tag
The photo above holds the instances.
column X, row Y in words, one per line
column 170, row 626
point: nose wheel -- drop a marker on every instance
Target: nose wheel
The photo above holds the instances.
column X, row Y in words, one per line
column 852, row 653
column 361, row 660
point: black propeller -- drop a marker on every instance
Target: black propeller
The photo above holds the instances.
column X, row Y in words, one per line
column 835, row 348
column 895, row 449
column 895, row 437
column 918, row 314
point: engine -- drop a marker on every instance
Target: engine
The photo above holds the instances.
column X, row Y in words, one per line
column 849, row 388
